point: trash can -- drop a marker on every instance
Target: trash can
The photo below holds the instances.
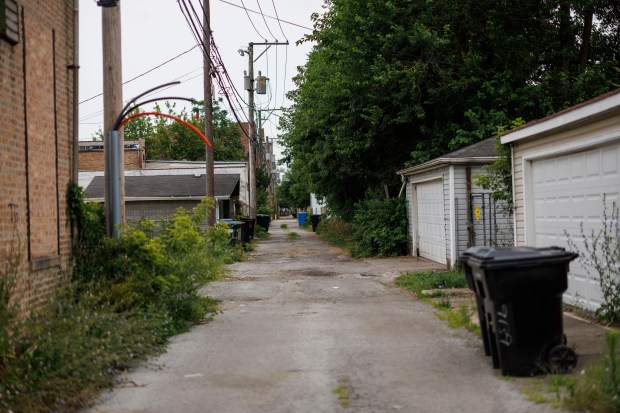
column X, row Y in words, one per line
column 301, row 218
column 471, row 283
column 315, row 219
column 250, row 222
column 263, row 220
column 235, row 229
column 521, row 293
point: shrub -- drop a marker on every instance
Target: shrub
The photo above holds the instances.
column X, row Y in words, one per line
column 380, row 227
column 601, row 257
column 336, row 231
column 125, row 298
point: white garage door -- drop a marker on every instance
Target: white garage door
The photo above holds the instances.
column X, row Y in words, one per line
column 431, row 233
column 568, row 190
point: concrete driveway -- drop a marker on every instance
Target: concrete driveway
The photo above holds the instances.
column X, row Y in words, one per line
column 305, row 328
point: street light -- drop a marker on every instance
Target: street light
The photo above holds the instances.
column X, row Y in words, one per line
column 107, row 3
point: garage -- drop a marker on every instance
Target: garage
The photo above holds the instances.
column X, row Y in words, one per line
column 431, row 233
column 568, row 190
column 563, row 167
column 442, row 196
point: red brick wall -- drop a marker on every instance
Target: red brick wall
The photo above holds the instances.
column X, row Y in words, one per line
column 36, row 147
column 94, row 160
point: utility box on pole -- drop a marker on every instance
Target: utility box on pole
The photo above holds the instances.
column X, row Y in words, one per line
column 261, row 84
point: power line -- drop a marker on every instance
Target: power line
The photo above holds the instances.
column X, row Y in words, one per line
column 271, row 17
column 147, row 72
column 278, row 19
column 249, row 18
column 265, row 20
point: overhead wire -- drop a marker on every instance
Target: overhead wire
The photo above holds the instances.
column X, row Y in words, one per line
column 146, row 72
column 270, row 17
column 278, row 19
column 265, row 20
column 252, row 22
column 221, row 74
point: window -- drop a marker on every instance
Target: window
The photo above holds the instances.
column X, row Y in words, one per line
column 9, row 21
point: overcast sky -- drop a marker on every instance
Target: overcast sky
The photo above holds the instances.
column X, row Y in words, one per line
column 155, row 31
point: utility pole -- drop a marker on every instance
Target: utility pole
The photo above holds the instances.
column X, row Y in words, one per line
column 252, row 137
column 208, row 108
column 252, row 125
column 112, row 106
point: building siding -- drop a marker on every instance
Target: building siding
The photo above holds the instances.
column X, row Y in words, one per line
column 36, row 148
column 528, row 148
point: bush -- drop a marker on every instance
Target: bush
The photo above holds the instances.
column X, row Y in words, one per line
column 125, row 298
column 380, row 227
column 336, row 231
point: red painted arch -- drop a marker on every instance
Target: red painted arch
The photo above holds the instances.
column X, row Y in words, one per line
column 189, row 125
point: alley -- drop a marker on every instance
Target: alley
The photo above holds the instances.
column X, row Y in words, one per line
column 304, row 328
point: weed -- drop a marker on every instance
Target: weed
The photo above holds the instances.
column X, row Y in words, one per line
column 343, row 392
column 336, row 231
column 260, row 232
column 429, row 285
column 601, row 255
column 594, row 389
column 418, row 282
column 292, row 236
column 126, row 297
column 284, row 226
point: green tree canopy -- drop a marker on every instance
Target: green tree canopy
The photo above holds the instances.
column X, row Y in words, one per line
column 171, row 140
column 398, row 82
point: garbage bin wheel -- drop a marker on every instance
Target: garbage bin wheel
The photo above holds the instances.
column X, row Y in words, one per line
column 562, row 359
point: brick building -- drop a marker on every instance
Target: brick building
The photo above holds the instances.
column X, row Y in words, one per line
column 92, row 159
column 36, row 143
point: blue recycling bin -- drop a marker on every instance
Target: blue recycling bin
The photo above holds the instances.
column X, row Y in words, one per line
column 301, row 218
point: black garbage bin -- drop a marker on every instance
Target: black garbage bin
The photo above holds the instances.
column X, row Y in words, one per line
column 249, row 225
column 471, row 283
column 235, row 229
column 521, row 289
column 315, row 219
column 263, row 221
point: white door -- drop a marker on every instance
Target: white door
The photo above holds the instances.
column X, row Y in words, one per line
column 431, row 228
column 568, row 190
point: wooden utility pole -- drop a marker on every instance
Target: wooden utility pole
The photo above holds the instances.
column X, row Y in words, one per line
column 252, row 127
column 208, row 108
column 112, row 95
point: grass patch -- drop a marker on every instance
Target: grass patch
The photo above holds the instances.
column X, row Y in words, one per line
column 435, row 288
column 343, row 392
column 284, row 226
column 422, row 281
column 292, row 236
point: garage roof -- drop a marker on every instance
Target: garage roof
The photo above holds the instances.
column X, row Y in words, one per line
column 482, row 152
column 169, row 186
column 606, row 105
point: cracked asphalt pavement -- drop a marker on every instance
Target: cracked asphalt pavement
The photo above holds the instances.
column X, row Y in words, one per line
column 305, row 328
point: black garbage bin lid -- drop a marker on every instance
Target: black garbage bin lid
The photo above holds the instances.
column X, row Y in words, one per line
column 500, row 257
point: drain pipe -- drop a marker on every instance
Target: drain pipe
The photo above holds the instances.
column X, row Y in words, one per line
column 76, row 90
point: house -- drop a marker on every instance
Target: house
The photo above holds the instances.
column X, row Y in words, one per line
column 563, row 167
column 36, row 145
column 159, row 193
column 447, row 211
column 159, row 196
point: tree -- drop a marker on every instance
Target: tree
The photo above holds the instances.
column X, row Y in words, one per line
column 400, row 82
column 173, row 140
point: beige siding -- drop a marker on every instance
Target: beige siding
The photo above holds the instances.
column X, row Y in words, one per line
column 573, row 140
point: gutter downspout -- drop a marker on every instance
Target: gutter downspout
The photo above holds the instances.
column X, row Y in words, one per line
column 76, row 90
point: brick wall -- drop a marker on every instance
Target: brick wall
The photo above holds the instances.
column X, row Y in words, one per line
column 93, row 160
column 36, row 147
